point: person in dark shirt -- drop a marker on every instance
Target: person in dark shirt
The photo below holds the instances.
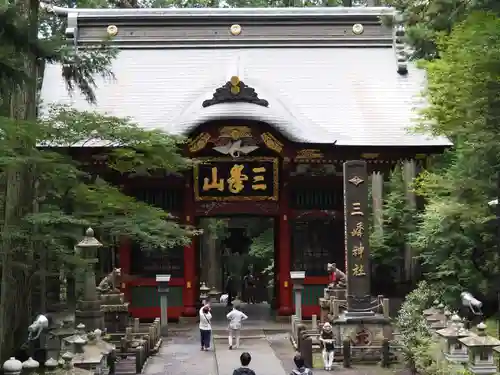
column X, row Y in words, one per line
column 245, row 359
column 301, row 367
column 327, row 345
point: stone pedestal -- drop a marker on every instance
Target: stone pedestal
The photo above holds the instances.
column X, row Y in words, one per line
column 89, row 313
column 324, row 305
column 367, row 332
column 115, row 311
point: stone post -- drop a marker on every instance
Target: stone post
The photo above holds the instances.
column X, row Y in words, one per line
column 298, row 286
column 12, row 367
column 163, row 281
column 30, row 366
column 137, row 325
column 50, row 366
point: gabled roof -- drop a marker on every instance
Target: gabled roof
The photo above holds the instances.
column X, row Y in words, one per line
column 323, row 82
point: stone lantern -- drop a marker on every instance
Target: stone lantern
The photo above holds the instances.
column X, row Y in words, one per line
column 56, row 337
column 204, row 293
column 432, row 310
column 454, row 350
column 447, row 317
column 88, row 309
column 91, row 352
column 480, row 349
column 434, row 318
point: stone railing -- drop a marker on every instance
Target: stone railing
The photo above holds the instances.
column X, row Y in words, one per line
column 460, row 348
column 307, row 344
column 149, row 332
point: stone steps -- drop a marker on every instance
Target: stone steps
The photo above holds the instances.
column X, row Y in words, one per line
column 255, row 312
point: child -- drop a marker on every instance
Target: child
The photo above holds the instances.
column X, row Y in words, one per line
column 327, row 346
column 301, row 367
column 245, row 359
column 235, row 318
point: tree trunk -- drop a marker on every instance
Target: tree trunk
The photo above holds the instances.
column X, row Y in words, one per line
column 18, row 192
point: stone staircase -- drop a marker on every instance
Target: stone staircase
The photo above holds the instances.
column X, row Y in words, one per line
column 260, row 319
column 255, row 312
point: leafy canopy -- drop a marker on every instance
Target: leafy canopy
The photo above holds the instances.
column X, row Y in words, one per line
column 72, row 193
column 463, row 91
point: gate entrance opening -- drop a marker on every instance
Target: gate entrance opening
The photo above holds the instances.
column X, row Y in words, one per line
column 237, row 257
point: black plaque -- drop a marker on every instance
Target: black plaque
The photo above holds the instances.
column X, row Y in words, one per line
column 151, row 262
column 356, row 236
column 229, row 179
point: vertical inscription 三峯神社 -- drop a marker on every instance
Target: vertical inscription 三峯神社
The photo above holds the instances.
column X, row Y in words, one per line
column 356, row 235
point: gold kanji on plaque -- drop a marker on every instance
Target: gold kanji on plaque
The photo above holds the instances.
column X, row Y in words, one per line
column 214, row 183
column 258, row 180
column 356, row 209
column 358, row 270
column 358, row 230
column 358, row 251
column 236, row 179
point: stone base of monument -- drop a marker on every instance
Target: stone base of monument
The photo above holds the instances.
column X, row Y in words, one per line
column 89, row 313
column 366, row 332
column 115, row 312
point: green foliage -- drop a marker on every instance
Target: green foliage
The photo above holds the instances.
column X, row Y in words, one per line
column 428, row 21
column 388, row 245
column 463, row 92
column 50, row 195
column 70, row 196
column 414, row 335
column 262, row 250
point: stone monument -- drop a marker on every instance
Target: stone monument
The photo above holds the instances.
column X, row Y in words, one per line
column 88, row 308
column 360, row 322
column 113, row 304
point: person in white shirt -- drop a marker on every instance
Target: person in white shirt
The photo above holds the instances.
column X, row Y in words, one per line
column 235, row 318
column 205, row 327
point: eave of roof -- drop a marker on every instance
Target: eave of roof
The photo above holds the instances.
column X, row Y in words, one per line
column 221, row 14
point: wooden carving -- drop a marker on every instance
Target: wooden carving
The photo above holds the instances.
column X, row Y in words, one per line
column 235, row 91
column 271, row 142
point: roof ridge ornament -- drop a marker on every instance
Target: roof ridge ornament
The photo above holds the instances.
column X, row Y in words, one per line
column 235, row 91
column 398, row 42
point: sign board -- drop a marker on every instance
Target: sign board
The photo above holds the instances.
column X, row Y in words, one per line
column 356, row 235
column 229, row 179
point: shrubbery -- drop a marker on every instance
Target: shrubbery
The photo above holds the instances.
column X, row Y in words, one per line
column 414, row 335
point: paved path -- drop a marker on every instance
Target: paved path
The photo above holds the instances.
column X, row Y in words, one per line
column 181, row 355
column 272, row 355
column 264, row 361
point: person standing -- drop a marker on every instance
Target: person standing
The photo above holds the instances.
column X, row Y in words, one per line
column 235, row 317
column 205, row 327
column 328, row 349
column 230, row 290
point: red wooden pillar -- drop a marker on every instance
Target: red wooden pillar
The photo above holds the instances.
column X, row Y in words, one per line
column 189, row 297
column 284, row 256
column 125, row 258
